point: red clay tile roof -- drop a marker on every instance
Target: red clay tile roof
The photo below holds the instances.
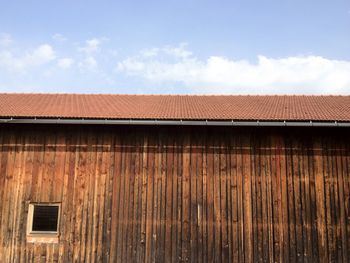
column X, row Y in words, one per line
column 175, row 107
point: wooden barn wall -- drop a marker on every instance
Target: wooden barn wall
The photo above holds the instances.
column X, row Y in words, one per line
column 169, row 194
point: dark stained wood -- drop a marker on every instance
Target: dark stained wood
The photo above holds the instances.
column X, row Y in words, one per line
column 178, row 194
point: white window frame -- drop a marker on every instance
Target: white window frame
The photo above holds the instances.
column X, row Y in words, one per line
column 48, row 234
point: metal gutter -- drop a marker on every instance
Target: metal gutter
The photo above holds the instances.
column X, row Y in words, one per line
column 178, row 122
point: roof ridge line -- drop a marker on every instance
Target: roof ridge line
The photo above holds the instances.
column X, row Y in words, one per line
column 175, row 95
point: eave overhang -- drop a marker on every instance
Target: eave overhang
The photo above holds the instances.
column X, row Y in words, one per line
column 262, row 123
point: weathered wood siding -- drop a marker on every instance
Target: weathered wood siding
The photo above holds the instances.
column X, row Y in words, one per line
column 168, row 194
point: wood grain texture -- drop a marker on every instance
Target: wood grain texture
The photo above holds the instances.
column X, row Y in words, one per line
column 178, row 194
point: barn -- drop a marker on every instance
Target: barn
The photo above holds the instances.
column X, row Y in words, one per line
column 174, row 178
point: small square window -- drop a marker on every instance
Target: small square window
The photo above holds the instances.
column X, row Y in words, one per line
column 43, row 222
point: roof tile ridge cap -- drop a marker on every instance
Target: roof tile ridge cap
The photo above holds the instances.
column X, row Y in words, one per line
column 180, row 95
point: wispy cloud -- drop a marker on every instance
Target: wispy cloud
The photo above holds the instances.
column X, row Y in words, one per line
column 92, row 45
column 59, row 37
column 170, row 66
column 91, row 48
column 39, row 56
column 89, row 63
column 65, row 63
column 5, row 39
column 216, row 74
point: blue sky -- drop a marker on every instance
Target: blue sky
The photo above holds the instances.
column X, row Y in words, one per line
column 195, row 47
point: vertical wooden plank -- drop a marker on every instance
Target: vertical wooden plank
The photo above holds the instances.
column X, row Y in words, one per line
column 87, row 170
column 156, row 198
column 254, row 180
column 234, row 180
column 240, row 204
column 223, row 199
column 140, row 236
column 47, row 168
column 264, row 248
column 199, row 182
column 210, row 199
column 122, row 202
column 328, row 189
column 106, row 236
column 298, row 205
column 64, row 217
column 7, row 217
column 312, row 152
column 79, row 185
column 176, row 205
column 193, row 202
column 229, row 192
column 247, row 200
column 158, row 204
column 335, row 203
column 276, row 200
column 96, row 249
column 58, row 173
column 51, row 170
column 346, row 179
column 169, row 217
column 3, row 162
column 204, row 220
column 186, row 208
column 116, row 197
column 102, row 186
column 217, row 207
column 290, row 215
column 307, row 218
column 284, row 220
column 18, row 173
column 149, row 206
column 270, row 201
column 74, row 199
column 91, row 166
column 327, row 173
column 129, row 198
column 163, row 195
column 137, row 201
column 2, row 179
column 28, row 167
column 320, row 202
column 144, row 195
column 341, row 179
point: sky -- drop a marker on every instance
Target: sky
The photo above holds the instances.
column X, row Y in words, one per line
column 175, row 47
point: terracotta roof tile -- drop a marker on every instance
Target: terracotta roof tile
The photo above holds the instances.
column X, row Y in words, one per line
column 106, row 106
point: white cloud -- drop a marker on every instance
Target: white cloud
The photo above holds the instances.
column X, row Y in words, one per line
column 151, row 52
column 178, row 67
column 8, row 61
column 5, row 39
column 178, row 52
column 65, row 63
column 92, row 45
column 292, row 75
column 39, row 56
column 89, row 63
column 59, row 37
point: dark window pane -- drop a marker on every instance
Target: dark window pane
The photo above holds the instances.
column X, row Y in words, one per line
column 45, row 218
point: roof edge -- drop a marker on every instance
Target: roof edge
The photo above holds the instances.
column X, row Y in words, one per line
column 179, row 94
column 277, row 123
